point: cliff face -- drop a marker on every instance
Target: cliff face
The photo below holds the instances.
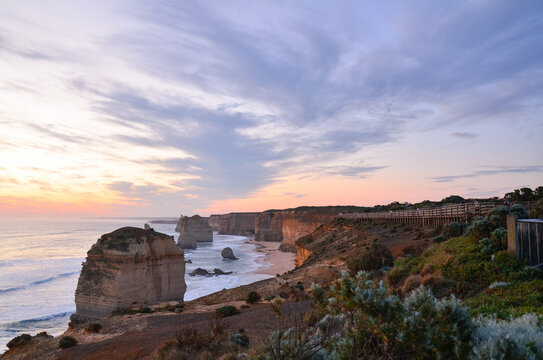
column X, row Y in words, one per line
column 126, row 266
column 269, row 226
column 178, row 225
column 296, row 225
column 214, row 221
column 238, row 223
column 192, row 230
column 288, row 226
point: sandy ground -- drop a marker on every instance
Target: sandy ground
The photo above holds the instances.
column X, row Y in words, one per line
column 276, row 261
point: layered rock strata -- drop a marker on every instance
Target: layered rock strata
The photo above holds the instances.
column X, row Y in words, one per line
column 214, row 221
column 178, row 225
column 129, row 265
column 238, row 223
column 288, row 226
column 192, row 230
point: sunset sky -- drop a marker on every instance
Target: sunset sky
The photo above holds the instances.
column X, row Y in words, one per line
column 161, row 108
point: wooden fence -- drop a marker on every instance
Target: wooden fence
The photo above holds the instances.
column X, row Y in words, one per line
column 441, row 215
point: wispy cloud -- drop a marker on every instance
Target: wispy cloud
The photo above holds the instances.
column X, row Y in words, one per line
column 178, row 104
column 496, row 171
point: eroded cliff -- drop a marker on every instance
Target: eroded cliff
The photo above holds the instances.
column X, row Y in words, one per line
column 192, row 230
column 238, row 223
column 129, row 265
column 287, row 226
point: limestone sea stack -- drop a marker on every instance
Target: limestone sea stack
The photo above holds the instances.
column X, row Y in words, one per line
column 178, row 225
column 192, row 230
column 129, row 265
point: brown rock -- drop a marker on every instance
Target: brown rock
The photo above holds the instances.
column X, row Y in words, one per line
column 192, row 230
column 126, row 266
column 238, row 223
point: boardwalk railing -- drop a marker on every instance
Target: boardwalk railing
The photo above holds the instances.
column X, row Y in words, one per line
column 525, row 239
column 440, row 215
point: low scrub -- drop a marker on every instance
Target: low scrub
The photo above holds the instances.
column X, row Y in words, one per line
column 227, row 310
column 67, row 342
column 372, row 258
column 362, row 320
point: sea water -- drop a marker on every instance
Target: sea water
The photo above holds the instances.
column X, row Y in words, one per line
column 40, row 261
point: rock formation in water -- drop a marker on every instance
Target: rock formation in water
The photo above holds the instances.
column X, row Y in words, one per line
column 238, row 223
column 214, row 221
column 192, row 230
column 178, row 225
column 126, row 266
column 228, row 253
column 147, row 226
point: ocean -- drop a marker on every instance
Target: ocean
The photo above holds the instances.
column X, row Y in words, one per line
column 40, row 261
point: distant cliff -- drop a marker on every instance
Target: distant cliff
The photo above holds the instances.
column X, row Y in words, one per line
column 192, row 230
column 129, row 265
column 289, row 225
column 238, row 223
column 214, row 221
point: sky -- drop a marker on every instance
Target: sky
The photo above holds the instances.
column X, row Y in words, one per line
column 162, row 108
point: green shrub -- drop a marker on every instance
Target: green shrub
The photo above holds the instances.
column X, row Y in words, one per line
column 487, row 246
column 20, row 340
column 515, row 300
column 454, row 229
column 528, row 273
column 67, row 342
column 227, row 310
column 440, row 238
column 520, row 211
column 375, row 257
column 93, row 328
column 480, row 229
column 253, row 297
column 146, row 310
column 499, row 238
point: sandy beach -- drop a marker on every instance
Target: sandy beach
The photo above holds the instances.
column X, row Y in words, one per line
column 276, row 261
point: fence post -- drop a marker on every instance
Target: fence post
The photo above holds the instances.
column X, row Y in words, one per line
column 512, row 234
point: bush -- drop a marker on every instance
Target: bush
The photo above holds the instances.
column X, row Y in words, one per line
column 439, row 239
column 93, row 328
column 480, row 229
column 520, row 338
column 499, row 237
column 253, row 297
column 487, row 247
column 146, row 310
column 375, row 257
column 20, row 340
column 520, row 211
column 227, row 310
column 67, row 342
column 454, row 229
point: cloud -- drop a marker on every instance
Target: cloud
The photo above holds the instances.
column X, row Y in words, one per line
column 496, row 171
column 180, row 104
column 465, row 135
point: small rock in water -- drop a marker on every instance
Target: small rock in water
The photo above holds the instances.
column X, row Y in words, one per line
column 220, row 272
column 147, row 227
column 188, row 261
column 200, row 271
column 227, row 253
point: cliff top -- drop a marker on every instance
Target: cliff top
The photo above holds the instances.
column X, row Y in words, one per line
column 132, row 240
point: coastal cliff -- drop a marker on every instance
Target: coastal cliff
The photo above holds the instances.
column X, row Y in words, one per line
column 192, row 230
column 287, row 226
column 238, row 223
column 214, row 221
column 129, row 265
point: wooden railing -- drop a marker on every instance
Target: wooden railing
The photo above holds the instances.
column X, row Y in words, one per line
column 442, row 214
